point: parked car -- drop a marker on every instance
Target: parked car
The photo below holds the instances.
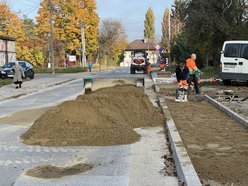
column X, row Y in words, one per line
column 7, row 69
column 234, row 62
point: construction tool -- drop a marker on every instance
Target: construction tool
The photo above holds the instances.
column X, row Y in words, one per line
column 182, row 92
column 88, row 81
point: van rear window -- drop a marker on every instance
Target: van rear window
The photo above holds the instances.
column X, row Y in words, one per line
column 231, row 50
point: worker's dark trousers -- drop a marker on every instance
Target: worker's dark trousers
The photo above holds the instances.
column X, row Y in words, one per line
column 192, row 78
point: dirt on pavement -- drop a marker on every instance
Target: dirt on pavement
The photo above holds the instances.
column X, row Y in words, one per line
column 104, row 118
column 49, row 171
column 216, row 144
column 24, row 117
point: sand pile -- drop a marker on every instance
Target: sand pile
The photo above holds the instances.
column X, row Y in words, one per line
column 105, row 117
column 48, row 171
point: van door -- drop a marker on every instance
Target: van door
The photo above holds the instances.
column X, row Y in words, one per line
column 243, row 62
column 230, row 60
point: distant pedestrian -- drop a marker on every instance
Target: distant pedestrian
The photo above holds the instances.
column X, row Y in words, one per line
column 191, row 64
column 18, row 74
column 90, row 65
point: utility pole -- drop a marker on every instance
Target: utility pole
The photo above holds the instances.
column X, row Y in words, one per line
column 51, row 48
column 83, row 45
column 169, row 25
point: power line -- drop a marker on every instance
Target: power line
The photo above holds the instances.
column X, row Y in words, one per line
column 25, row 3
column 32, row 2
column 34, row 8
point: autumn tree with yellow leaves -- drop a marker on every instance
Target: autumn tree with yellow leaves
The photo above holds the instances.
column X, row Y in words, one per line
column 68, row 16
column 27, row 48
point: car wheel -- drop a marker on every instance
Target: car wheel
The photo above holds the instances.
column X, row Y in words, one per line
column 132, row 70
column 31, row 76
column 226, row 82
column 25, row 75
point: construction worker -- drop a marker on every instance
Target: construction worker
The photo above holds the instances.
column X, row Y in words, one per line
column 191, row 64
column 182, row 75
column 162, row 66
column 182, row 72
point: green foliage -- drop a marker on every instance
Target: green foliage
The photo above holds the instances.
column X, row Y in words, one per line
column 29, row 27
column 165, row 29
column 207, row 24
column 149, row 31
column 60, row 70
column 209, row 73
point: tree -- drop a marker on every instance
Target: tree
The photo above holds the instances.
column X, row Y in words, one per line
column 165, row 29
column 30, row 48
column 112, row 40
column 29, row 28
column 68, row 16
column 207, row 24
column 10, row 24
column 149, row 31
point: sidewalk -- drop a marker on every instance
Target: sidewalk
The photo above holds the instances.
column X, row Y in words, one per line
column 40, row 83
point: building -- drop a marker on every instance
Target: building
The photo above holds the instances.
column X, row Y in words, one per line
column 138, row 45
column 7, row 50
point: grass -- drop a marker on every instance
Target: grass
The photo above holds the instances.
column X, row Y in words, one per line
column 6, row 81
column 60, row 70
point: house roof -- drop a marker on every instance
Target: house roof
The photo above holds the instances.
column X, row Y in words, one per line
column 7, row 38
column 139, row 44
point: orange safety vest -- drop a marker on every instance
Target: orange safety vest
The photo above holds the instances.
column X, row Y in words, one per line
column 149, row 68
column 161, row 66
column 190, row 63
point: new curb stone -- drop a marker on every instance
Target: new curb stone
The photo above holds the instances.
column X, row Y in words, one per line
column 229, row 112
column 185, row 169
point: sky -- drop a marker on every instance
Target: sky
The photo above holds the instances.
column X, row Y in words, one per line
column 130, row 12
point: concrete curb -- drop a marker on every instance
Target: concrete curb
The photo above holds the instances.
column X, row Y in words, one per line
column 185, row 170
column 228, row 111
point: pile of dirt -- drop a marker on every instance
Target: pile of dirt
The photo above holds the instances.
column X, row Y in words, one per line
column 48, row 171
column 104, row 118
column 217, row 144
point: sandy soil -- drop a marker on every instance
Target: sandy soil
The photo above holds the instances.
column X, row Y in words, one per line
column 105, row 117
column 48, row 171
column 217, row 145
column 217, row 91
column 24, row 117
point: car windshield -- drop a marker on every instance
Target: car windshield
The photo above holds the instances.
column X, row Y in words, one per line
column 9, row 65
column 140, row 54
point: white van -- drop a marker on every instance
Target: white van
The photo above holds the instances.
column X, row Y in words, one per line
column 234, row 62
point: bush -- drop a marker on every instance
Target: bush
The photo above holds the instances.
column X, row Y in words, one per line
column 60, row 70
column 209, row 73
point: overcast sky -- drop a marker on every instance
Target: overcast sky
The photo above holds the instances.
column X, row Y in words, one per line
column 130, row 12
